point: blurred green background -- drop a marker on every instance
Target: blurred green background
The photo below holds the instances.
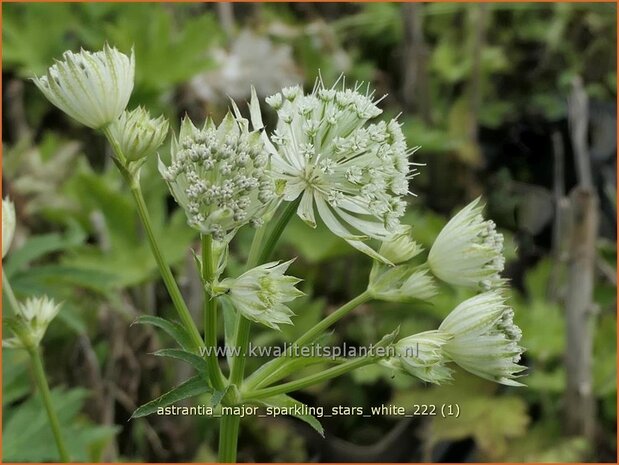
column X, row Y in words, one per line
column 482, row 88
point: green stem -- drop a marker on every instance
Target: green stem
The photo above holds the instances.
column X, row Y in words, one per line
column 257, row 255
column 310, row 380
column 164, row 269
column 260, row 252
column 210, row 314
column 168, row 279
column 333, row 318
column 262, row 377
column 7, row 290
column 41, row 380
column 228, row 437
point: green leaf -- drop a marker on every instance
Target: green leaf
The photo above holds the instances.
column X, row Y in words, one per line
column 27, row 436
column 173, row 329
column 39, row 246
column 284, row 401
column 492, row 421
column 194, row 360
column 16, row 382
column 190, row 388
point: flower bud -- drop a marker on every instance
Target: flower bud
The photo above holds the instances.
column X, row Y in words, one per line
column 8, row 224
column 92, row 88
column 30, row 322
column 422, row 355
column 402, row 283
column 137, row 134
column 485, row 340
column 260, row 293
column 400, row 247
column 468, row 251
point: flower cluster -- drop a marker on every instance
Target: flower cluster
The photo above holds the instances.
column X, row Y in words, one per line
column 260, row 293
column 8, row 225
column 479, row 335
column 354, row 173
column 469, row 251
column 92, row 88
column 220, row 176
column 137, row 134
column 30, row 322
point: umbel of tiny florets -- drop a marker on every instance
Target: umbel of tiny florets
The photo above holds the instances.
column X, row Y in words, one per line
column 261, row 293
column 220, row 176
column 30, row 322
column 92, row 88
column 469, row 251
column 355, row 174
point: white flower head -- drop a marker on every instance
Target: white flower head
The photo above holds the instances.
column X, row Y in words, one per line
column 31, row 321
column 8, row 224
column 137, row 134
column 261, row 293
column 355, row 174
column 91, row 87
column 400, row 246
column 485, row 340
column 220, row 176
column 422, row 355
column 469, row 251
column 403, row 283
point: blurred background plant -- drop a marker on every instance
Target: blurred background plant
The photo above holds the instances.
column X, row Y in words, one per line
column 497, row 96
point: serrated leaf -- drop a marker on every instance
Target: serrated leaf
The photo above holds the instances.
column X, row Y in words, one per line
column 173, row 329
column 189, row 357
column 190, row 388
column 284, row 401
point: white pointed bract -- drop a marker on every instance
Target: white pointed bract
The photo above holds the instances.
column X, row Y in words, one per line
column 485, row 340
column 469, row 251
column 401, row 283
column 32, row 319
column 137, row 134
column 91, row 87
column 220, row 176
column 8, row 224
column 261, row 293
column 421, row 355
column 353, row 173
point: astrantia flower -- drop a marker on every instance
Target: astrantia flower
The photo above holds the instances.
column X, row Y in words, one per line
column 220, row 176
column 8, row 224
column 261, row 293
column 353, row 173
column 485, row 340
column 422, row 355
column 468, row 251
column 30, row 322
column 92, row 88
column 137, row 134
